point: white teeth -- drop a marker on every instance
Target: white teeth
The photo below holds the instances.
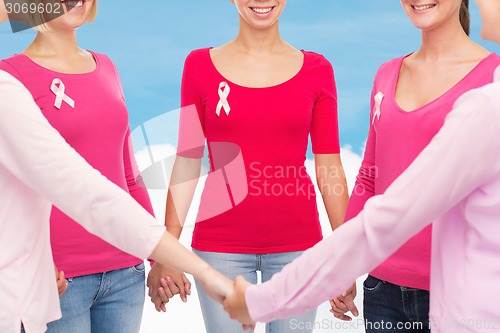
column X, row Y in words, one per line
column 73, row 3
column 423, row 7
column 262, row 10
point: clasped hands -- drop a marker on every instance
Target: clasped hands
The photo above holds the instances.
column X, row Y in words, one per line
column 164, row 283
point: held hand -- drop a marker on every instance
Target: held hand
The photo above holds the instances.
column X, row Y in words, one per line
column 164, row 283
column 62, row 284
column 345, row 303
column 235, row 304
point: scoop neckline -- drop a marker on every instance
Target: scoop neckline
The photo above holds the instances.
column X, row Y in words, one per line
column 93, row 72
column 437, row 99
column 292, row 78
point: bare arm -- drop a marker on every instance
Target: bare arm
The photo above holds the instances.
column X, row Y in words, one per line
column 165, row 282
column 332, row 185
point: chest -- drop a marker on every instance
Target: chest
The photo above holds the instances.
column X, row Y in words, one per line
column 234, row 110
column 82, row 109
column 418, row 86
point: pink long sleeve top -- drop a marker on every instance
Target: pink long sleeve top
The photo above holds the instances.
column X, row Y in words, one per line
column 38, row 168
column 92, row 117
column 395, row 138
column 455, row 181
column 271, row 127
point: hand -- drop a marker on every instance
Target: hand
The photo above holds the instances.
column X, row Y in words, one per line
column 235, row 303
column 345, row 303
column 164, row 283
column 62, row 284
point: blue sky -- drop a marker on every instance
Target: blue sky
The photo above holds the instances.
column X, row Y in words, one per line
column 149, row 43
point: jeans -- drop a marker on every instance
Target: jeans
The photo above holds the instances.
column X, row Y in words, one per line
column 110, row 302
column 247, row 265
column 392, row 308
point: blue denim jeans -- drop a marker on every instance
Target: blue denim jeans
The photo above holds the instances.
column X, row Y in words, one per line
column 110, row 302
column 247, row 265
column 392, row 308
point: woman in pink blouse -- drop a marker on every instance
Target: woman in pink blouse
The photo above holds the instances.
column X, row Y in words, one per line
column 455, row 182
column 259, row 98
column 37, row 168
column 411, row 96
column 80, row 94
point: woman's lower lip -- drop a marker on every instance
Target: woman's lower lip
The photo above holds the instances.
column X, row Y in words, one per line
column 423, row 8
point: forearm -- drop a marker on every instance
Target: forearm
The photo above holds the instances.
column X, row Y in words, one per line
column 335, row 198
column 170, row 252
column 185, row 175
column 332, row 185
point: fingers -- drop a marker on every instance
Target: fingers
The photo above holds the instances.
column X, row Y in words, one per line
column 177, row 285
column 248, row 327
column 160, row 300
column 62, row 284
column 187, row 284
column 169, row 286
column 339, row 309
column 348, row 299
column 343, row 304
column 161, row 290
column 348, row 303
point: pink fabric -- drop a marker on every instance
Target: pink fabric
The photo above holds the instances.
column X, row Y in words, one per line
column 37, row 168
column 97, row 128
column 271, row 126
column 395, row 138
column 456, row 182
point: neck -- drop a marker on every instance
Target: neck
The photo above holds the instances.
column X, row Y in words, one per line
column 55, row 43
column 444, row 42
column 257, row 41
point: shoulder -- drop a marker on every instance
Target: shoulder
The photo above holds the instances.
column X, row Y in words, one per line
column 316, row 60
column 102, row 59
column 318, row 66
column 493, row 59
column 390, row 66
column 14, row 64
column 489, row 64
column 15, row 60
column 198, row 56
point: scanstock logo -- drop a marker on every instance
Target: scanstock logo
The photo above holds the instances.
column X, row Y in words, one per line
column 26, row 14
column 226, row 184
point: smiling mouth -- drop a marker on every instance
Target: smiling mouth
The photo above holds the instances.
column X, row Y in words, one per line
column 423, row 7
column 262, row 10
column 73, row 3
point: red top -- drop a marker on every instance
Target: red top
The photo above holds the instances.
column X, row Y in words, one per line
column 396, row 137
column 271, row 127
column 96, row 126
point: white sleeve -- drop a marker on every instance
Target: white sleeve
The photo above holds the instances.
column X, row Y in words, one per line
column 34, row 152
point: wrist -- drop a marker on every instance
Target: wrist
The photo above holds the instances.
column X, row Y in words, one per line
column 175, row 231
